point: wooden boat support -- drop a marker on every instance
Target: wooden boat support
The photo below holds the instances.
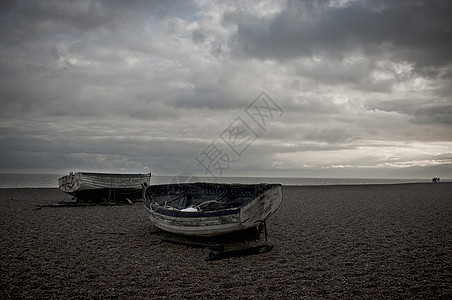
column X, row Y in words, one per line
column 217, row 255
column 194, row 244
column 210, row 209
column 217, row 251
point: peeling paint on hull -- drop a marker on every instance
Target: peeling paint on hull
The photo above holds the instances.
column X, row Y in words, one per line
column 85, row 185
column 255, row 203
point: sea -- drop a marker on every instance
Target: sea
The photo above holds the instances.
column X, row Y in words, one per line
column 9, row 180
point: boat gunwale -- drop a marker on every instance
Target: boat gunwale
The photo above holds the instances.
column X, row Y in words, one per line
column 174, row 212
column 134, row 175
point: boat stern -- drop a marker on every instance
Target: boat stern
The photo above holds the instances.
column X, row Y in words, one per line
column 69, row 183
column 261, row 207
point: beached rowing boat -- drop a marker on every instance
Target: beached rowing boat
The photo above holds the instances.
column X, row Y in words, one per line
column 209, row 209
column 103, row 186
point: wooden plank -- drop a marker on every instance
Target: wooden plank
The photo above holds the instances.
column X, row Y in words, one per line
column 194, row 245
column 212, row 255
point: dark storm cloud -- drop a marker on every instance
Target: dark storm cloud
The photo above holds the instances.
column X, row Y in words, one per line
column 32, row 17
column 95, row 146
column 68, row 52
column 415, row 31
column 147, row 85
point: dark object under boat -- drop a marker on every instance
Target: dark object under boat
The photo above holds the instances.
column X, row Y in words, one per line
column 94, row 187
column 209, row 209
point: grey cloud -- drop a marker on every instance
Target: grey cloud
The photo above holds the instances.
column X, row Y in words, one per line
column 208, row 95
column 205, row 38
column 88, row 15
column 198, row 36
column 420, row 111
column 329, row 135
column 420, row 31
column 113, row 85
column 356, row 73
column 95, row 147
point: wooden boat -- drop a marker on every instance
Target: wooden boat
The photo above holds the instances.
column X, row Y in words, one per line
column 209, row 209
column 85, row 186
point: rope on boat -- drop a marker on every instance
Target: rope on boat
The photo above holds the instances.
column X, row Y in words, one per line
column 151, row 203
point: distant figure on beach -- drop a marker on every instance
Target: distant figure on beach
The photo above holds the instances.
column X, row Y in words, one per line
column 435, row 179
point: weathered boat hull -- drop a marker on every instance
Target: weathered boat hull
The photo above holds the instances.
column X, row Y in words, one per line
column 255, row 208
column 96, row 186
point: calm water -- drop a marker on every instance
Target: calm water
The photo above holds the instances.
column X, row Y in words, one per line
column 51, row 180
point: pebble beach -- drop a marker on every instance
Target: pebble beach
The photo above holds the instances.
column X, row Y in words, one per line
column 330, row 242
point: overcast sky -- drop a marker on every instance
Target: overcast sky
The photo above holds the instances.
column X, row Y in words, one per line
column 227, row 88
